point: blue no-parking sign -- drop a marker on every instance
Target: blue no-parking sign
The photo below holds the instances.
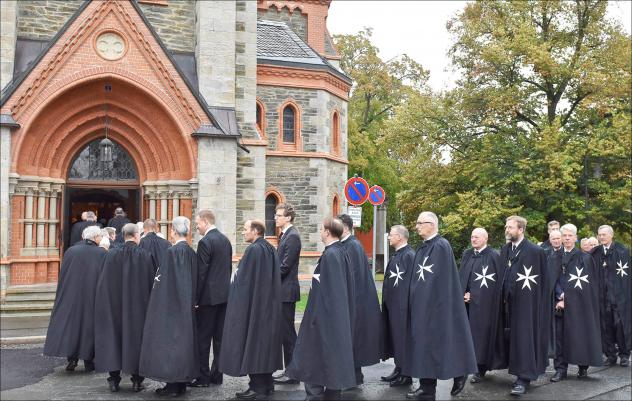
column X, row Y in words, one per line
column 376, row 195
column 356, row 190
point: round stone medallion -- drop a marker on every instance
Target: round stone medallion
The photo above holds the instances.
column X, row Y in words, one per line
column 110, row 46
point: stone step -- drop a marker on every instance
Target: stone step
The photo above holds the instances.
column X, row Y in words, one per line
column 24, row 320
column 18, row 307
column 30, row 297
column 35, row 288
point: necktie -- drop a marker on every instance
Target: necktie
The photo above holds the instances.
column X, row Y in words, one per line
column 476, row 253
column 513, row 247
column 280, row 235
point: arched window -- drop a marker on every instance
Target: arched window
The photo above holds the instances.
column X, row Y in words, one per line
column 289, row 127
column 87, row 165
column 335, row 206
column 271, row 202
column 335, row 133
column 261, row 119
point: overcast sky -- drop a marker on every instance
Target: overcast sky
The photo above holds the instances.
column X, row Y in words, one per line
column 417, row 28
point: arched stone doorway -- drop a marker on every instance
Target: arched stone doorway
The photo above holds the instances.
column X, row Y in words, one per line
column 101, row 187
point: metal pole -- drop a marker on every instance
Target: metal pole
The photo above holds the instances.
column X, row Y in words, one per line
column 374, row 237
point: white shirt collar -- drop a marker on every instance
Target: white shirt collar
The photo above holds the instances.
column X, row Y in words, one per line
column 343, row 239
column 481, row 250
column 211, row 227
column 516, row 244
column 431, row 237
column 401, row 246
column 332, row 242
column 286, row 228
column 181, row 239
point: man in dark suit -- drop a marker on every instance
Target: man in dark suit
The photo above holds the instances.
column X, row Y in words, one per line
column 215, row 254
column 289, row 252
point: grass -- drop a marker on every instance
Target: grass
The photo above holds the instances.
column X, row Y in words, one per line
column 302, row 303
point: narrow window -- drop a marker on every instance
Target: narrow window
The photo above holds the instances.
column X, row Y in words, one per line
column 335, row 130
column 289, row 125
column 271, row 203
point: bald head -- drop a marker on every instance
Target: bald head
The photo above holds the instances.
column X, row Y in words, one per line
column 479, row 238
column 555, row 238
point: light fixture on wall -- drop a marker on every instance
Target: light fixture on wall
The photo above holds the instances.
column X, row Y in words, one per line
column 105, row 146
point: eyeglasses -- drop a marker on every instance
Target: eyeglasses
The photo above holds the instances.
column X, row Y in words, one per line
column 421, row 223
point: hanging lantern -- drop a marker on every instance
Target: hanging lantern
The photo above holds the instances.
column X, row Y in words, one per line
column 105, row 151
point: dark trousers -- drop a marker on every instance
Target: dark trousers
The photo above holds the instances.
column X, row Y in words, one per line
column 288, row 331
column 559, row 362
column 261, row 383
column 75, row 360
column 359, row 375
column 428, row 385
column 115, row 375
column 180, row 387
column 613, row 337
column 210, row 325
column 482, row 369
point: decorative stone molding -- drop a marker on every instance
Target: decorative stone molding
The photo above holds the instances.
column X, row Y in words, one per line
column 302, row 78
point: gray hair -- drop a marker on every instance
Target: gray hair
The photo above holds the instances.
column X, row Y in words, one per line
column 606, row 227
column 109, row 231
column 90, row 216
column 571, row 228
column 129, row 230
column 431, row 217
column 91, row 232
column 555, row 232
column 401, row 230
column 181, row 225
column 482, row 231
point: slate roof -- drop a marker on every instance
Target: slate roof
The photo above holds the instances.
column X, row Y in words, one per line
column 278, row 44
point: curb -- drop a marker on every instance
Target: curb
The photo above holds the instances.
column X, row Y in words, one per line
column 22, row 340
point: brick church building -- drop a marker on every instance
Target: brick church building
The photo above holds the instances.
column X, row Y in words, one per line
column 164, row 107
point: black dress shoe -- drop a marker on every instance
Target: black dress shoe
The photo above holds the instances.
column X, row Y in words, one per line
column 168, row 390
column 518, row 389
column 401, row 381
column 249, row 394
column 625, row 362
column 71, row 366
column 558, row 376
column 198, row 383
column 114, row 385
column 421, row 395
column 88, row 366
column 582, row 373
column 610, row 361
column 477, row 378
column 459, row 383
column 396, row 372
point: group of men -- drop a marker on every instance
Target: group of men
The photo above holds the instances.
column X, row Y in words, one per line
column 162, row 307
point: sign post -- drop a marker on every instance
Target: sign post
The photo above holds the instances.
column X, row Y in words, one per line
column 376, row 197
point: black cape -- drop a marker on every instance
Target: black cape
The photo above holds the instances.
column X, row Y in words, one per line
column 480, row 277
column 323, row 353
column 121, row 302
column 579, row 281
column 156, row 246
column 367, row 326
column 522, row 332
column 77, row 230
column 395, row 303
column 438, row 342
column 169, row 351
column 615, row 286
column 251, row 342
column 71, row 328
column 554, row 267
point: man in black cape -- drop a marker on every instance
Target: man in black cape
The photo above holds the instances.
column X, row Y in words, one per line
column 118, row 221
column 613, row 262
column 523, row 329
column 395, row 303
column 76, row 231
column 251, row 343
column 577, row 329
column 121, row 302
column 439, row 342
column 480, row 272
column 289, row 251
column 71, row 328
column 551, row 226
column 553, row 263
column 367, row 336
column 152, row 243
column 169, row 351
column 323, row 356
column 215, row 255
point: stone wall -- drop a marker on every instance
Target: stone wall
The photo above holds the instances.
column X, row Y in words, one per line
column 174, row 23
column 8, row 14
column 43, row 19
column 251, row 174
column 246, row 67
column 296, row 21
column 316, row 113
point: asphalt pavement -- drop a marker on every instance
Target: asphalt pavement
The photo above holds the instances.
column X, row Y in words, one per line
column 26, row 374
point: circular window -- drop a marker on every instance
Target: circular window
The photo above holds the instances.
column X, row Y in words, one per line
column 110, row 46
